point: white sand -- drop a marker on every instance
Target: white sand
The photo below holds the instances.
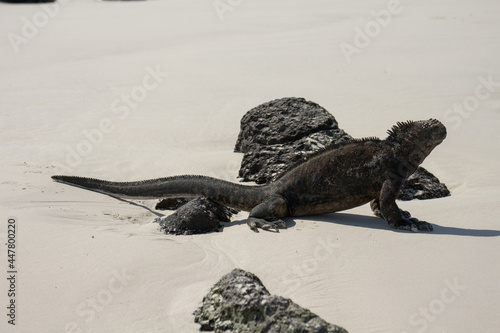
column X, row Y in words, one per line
column 71, row 73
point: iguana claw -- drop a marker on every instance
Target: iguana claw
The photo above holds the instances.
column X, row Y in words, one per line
column 256, row 223
column 414, row 225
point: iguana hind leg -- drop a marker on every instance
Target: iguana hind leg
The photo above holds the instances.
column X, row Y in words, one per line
column 268, row 214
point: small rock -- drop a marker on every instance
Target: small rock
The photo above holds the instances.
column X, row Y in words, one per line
column 198, row 216
column 239, row 302
column 423, row 185
column 172, row 204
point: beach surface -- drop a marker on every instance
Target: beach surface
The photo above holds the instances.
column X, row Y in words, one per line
column 144, row 89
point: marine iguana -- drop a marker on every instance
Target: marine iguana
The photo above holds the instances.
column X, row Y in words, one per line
column 337, row 178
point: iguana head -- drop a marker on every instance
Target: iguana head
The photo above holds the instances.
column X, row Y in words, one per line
column 428, row 133
column 416, row 139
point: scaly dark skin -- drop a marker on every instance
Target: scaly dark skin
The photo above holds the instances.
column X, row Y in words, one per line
column 335, row 179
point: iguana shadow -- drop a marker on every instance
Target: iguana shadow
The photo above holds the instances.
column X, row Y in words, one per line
column 372, row 222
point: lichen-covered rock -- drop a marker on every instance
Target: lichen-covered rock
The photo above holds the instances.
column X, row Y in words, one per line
column 240, row 303
column 422, row 185
column 199, row 215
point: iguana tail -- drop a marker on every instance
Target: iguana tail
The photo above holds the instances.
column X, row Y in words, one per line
column 230, row 194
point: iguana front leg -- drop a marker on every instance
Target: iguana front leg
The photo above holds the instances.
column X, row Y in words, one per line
column 375, row 206
column 390, row 211
column 267, row 214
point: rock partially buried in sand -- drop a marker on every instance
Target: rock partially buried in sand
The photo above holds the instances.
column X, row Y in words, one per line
column 172, row 204
column 239, row 302
column 199, row 215
column 423, row 185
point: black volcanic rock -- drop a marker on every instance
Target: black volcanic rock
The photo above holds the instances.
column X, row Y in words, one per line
column 423, row 185
column 282, row 121
column 199, row 215
column 239, row 302
column 172, row 204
